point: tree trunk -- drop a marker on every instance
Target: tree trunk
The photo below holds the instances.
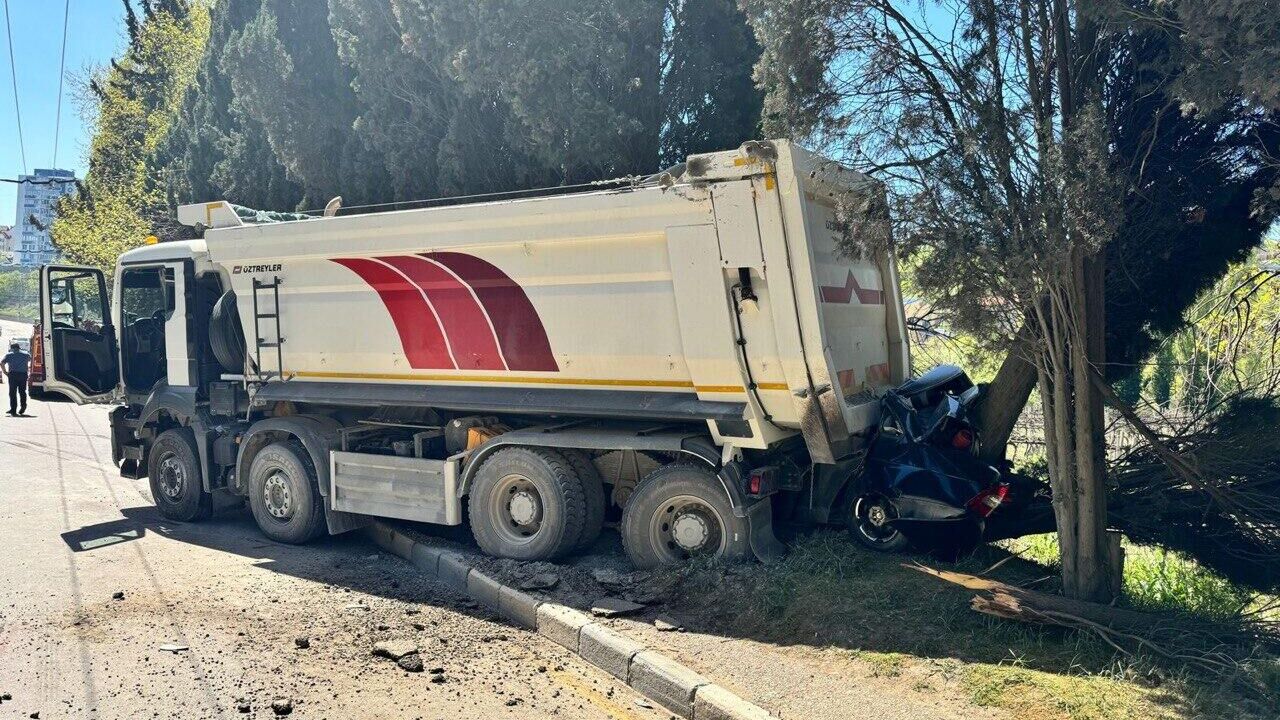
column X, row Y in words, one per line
column 1005, row 398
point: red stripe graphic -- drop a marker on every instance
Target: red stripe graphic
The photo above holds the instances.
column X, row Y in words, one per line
column 843, row 295
column 465, row 324
column 516, row 323
column 420, row 334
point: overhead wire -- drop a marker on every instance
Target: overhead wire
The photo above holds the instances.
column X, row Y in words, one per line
column 13, row 73
column 62, row 68
column 33, row 181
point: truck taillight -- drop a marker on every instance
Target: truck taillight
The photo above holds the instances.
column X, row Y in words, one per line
column 986, row 502
column 762, row 481
column 37, row 358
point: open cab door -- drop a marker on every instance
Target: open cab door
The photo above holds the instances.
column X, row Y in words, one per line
column 79, row 341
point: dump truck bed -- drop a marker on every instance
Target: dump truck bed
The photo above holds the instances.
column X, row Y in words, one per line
column 723, row 297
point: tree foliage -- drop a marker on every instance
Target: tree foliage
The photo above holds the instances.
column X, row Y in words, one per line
column 1046, row 176
column 122, row 198
column 387, row 101
column 214, row 148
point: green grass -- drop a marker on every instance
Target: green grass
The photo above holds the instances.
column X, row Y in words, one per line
column 1038, row 695
column 1155, row 579
column 830, row 594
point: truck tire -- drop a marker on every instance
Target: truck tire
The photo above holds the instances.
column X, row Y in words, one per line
column 173, row 470
column 226, row 337
column 283, row 494
column 593, row 494
column 527, row 504
column 680, row 511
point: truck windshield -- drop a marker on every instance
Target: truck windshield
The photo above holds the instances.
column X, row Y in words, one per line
column 146, row 303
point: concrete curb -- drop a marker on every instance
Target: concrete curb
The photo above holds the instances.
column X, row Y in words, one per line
column 648, row 672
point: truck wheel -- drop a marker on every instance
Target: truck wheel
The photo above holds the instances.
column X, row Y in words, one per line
column 593, row 494
column 527, row 504
column 869, row 518
column 283, row 494
column 173, row 469
column 678, row 512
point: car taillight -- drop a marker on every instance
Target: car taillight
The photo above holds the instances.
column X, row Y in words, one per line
column 963, row 439
column 986, row 502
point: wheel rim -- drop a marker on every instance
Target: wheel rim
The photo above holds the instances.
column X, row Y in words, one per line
column 518, row 507
column 276, row 496
column 686, row 526
column 173, row 476
column 874, row 516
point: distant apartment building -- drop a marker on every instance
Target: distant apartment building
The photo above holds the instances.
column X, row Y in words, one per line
column 6, row 245
column 37, row 195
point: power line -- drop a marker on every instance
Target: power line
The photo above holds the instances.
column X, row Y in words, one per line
column 13, row 73
column 62, row 67
column 33, row 181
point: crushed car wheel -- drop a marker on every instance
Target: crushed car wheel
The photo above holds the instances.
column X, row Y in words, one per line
column 870, row 519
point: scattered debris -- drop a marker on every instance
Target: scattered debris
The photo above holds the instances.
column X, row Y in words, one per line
column 282, row 706
column 356, row 606
column 410, row 663
column 394, row 649
column 644, row 703
column 174, row 648
column 606, row 576
column 436, row 671
column 666, row 623
column 302, row 643
column 645, row 596
column 117, row 595
column 612, row 578
column 513, row 702
column 613, row 607
column 35, row 715
column 540, row 581
column 437, row 679
column 243, row 706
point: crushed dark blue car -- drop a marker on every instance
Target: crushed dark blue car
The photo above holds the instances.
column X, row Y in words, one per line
column 922, row 481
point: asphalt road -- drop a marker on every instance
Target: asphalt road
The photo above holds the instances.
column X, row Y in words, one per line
column 74, row 533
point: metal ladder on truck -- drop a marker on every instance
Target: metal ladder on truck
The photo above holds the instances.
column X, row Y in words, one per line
column 274, row 316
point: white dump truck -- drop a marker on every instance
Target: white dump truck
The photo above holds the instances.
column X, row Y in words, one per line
column 689, row 356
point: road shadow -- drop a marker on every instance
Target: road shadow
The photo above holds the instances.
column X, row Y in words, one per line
column 350, row 561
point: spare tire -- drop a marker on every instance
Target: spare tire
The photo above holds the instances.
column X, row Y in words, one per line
column 226, row 336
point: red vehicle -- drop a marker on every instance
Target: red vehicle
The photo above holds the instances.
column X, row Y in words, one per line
column 35, row 378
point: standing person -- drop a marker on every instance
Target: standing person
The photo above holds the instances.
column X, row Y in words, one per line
column 15, row 366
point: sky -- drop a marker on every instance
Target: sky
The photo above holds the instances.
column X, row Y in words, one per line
column 95, row 34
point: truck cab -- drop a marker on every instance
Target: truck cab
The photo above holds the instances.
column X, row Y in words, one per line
column 147, row 342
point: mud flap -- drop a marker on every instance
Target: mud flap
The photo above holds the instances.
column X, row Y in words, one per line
column 338, row 522
column 764, row 544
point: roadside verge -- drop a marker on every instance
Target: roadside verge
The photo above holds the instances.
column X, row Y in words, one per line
column 649, row 672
